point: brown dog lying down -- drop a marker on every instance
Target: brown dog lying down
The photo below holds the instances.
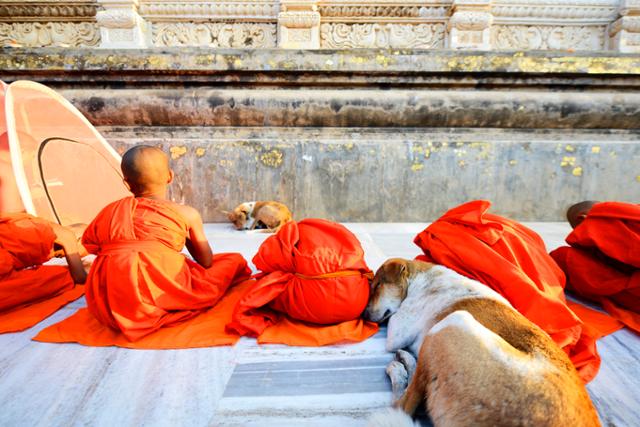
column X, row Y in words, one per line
column 260, row 215
column 479, row 361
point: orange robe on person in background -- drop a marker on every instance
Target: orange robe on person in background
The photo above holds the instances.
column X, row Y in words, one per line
column 140, row 281
column 602, row 263
column 313, row 288
column 512, row 260
column 30, row 291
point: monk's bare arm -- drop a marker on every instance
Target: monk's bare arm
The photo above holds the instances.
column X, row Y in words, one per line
column 66, row 238
column 197, row 243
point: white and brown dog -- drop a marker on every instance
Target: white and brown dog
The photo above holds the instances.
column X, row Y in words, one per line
column 479, row 361
column 260, row 215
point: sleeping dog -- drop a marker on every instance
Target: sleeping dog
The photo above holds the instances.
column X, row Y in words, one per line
column 260, row 215
column 479, row 361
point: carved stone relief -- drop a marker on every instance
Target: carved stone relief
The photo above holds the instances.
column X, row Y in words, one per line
column 38, row 34
column 236, row 35
column 423, row 36
column 530, row 37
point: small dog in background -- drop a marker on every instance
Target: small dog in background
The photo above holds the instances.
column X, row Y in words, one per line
column 268, row 216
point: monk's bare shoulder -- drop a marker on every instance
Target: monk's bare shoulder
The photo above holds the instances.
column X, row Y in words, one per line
column 189, row 213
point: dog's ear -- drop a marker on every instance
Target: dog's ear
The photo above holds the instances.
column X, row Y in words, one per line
column 394, row 270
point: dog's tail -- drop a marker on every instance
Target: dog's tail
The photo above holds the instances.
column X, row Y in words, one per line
column 391, row 417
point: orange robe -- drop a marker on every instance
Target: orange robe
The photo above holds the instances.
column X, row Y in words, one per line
column 313, row 288
column 512, row 260
column 603, row 261
column 140, row 281
column 30, row 291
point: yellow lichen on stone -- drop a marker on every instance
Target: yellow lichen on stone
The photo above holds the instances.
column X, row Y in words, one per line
column 462, row 163
column 200, row 151
column 272, row 158
column 595, row 149
column 417, row 166
column 225, row 163
column 570, row 148
column 513, row 162
column 568, row 161
column 577, row 171
column 637, row 178
column 177, row 151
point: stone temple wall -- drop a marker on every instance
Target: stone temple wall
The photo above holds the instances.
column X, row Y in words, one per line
column 354, row 110
column 579, row 25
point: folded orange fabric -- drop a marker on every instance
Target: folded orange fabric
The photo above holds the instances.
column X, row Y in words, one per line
column 140, row 281
column 602, row 263
column 30, row 291
column 512, row 260
column 206, row 329
column 313, row 288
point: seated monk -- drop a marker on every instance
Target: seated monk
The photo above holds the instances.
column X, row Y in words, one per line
column 26, row 242
column 313, row 288
column 602, row 263
column 512, row 260
column 140, row 280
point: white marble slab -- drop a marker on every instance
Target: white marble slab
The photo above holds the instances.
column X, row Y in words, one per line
column 247, row 384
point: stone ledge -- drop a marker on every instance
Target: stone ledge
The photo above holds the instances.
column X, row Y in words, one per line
column 358, row 108
column 366, row 61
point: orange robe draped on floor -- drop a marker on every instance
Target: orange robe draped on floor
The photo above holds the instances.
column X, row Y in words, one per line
column 313, row 288
column 512, row 260
column 602, row 263
column 140, row 281
column 30, row 291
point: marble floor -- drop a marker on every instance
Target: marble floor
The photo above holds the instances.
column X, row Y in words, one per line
column 246, row 384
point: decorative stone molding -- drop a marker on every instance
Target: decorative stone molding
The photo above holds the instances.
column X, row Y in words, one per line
column 544, row 37
column 38, row 34
column 48, row 11
column 121, row 26
column 547, row 12
column 349, row 36
column 207, row 10
column 223, row 35
column 384, row 11
column 299, row 24
column 470, row 25
column 313, row 24
column 624, row 33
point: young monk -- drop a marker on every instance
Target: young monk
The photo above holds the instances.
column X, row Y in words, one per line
column 602, row 263
column 512, row 260
column 140, row 280
column 26, row 242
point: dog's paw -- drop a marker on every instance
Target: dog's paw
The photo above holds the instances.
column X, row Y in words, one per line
column 408, row 361
column 391, row 417
column 399, row 378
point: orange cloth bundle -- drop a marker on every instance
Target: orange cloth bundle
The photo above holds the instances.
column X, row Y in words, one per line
column 313, row 288
column 140, row 281
column 603, row 262
column 512, row 260
column 30, row 291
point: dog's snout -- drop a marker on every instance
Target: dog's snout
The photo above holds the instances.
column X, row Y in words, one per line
column 366, row 315
column 387, row 313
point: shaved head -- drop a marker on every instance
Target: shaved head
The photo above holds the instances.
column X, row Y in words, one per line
column 577, row 213
column 146, row 169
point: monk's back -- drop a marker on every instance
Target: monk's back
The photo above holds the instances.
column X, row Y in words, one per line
column 139, row 219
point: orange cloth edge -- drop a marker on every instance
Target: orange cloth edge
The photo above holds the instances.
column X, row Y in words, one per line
column 23, row 317
column 297, row 333
column 600, row 324
column 207, row 329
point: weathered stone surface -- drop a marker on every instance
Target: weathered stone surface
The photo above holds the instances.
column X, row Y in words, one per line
column 358, row 108
column 360, row 174
column 386, row 61
column 365, row 135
